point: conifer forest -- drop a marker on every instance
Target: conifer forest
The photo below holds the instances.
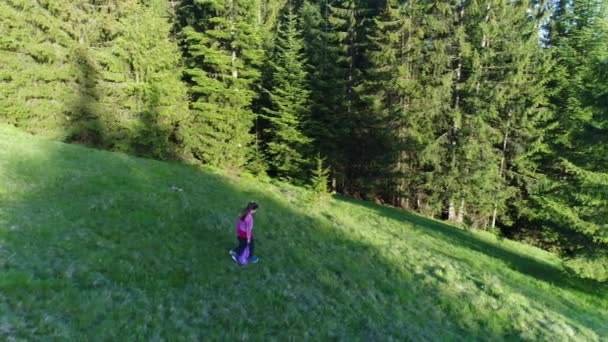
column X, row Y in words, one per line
column 491, row 114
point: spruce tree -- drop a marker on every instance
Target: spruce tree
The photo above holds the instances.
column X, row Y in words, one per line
column 222, row 42
column 319, row 177
column 322, row 78
column 287, row 146
column 507, row 94
column 484, row 93
column 103, row 73
column 573, row 201
column 444, row 84
column 393, row 92
column 145, row 97
column 37, row 69
column 359, row 144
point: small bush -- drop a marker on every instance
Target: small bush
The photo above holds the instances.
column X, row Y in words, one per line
column 320, row 179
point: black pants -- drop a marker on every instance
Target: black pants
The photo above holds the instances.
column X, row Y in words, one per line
column 243, row 244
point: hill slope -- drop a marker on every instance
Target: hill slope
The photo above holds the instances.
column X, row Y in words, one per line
column 98, row 244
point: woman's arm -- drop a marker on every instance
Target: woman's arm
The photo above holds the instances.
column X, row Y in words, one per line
column 249, row 230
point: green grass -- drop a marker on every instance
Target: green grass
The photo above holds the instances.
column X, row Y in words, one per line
column 97, row 246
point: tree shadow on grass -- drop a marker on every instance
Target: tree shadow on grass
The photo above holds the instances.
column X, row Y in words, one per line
column 149, row 130
column 592, row 315
column 95, row 245
column 531, row 266
column 539, row 270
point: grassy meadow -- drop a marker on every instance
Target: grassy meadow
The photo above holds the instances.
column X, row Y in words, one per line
column 103, row 246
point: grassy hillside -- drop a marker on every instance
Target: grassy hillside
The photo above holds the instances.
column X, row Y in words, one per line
column 99, row 246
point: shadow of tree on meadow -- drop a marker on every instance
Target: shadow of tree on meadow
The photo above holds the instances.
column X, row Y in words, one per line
column 540, row 272
column 93, row 125
column 535, row 268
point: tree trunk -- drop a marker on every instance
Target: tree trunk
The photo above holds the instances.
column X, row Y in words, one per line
column 460, row 214
column 451, row 212
column 235, row 73
column 452, row 215
column 502, row 166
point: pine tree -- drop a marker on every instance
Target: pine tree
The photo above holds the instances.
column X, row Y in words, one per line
column 394, row 93
column 444, row 80
column 521, row 103
column 507, row 94
column 222, row 43
column 470, row 184
column 322, row 78
column 142, row 80
column 485, row 97
column 103, row 73
column 37, row 71
column 319, row 179
column 573, row 200
column 289, row 107
column 359, row 150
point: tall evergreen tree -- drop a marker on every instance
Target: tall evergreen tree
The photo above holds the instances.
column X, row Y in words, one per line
column 507, row 66
column 573, row 201
column 99, row 72
column 487, row 58
column 222, row 41
column 144, row 97
column 444, row 79
column 287, row 145
column 38, row 73
column 393, row 92
column 322, row 78
column 359, row 144
column 518, row 66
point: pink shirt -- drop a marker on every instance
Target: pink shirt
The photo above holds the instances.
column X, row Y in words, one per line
column 244, row 228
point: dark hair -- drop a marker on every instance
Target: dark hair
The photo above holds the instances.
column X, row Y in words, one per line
column 250, row 206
